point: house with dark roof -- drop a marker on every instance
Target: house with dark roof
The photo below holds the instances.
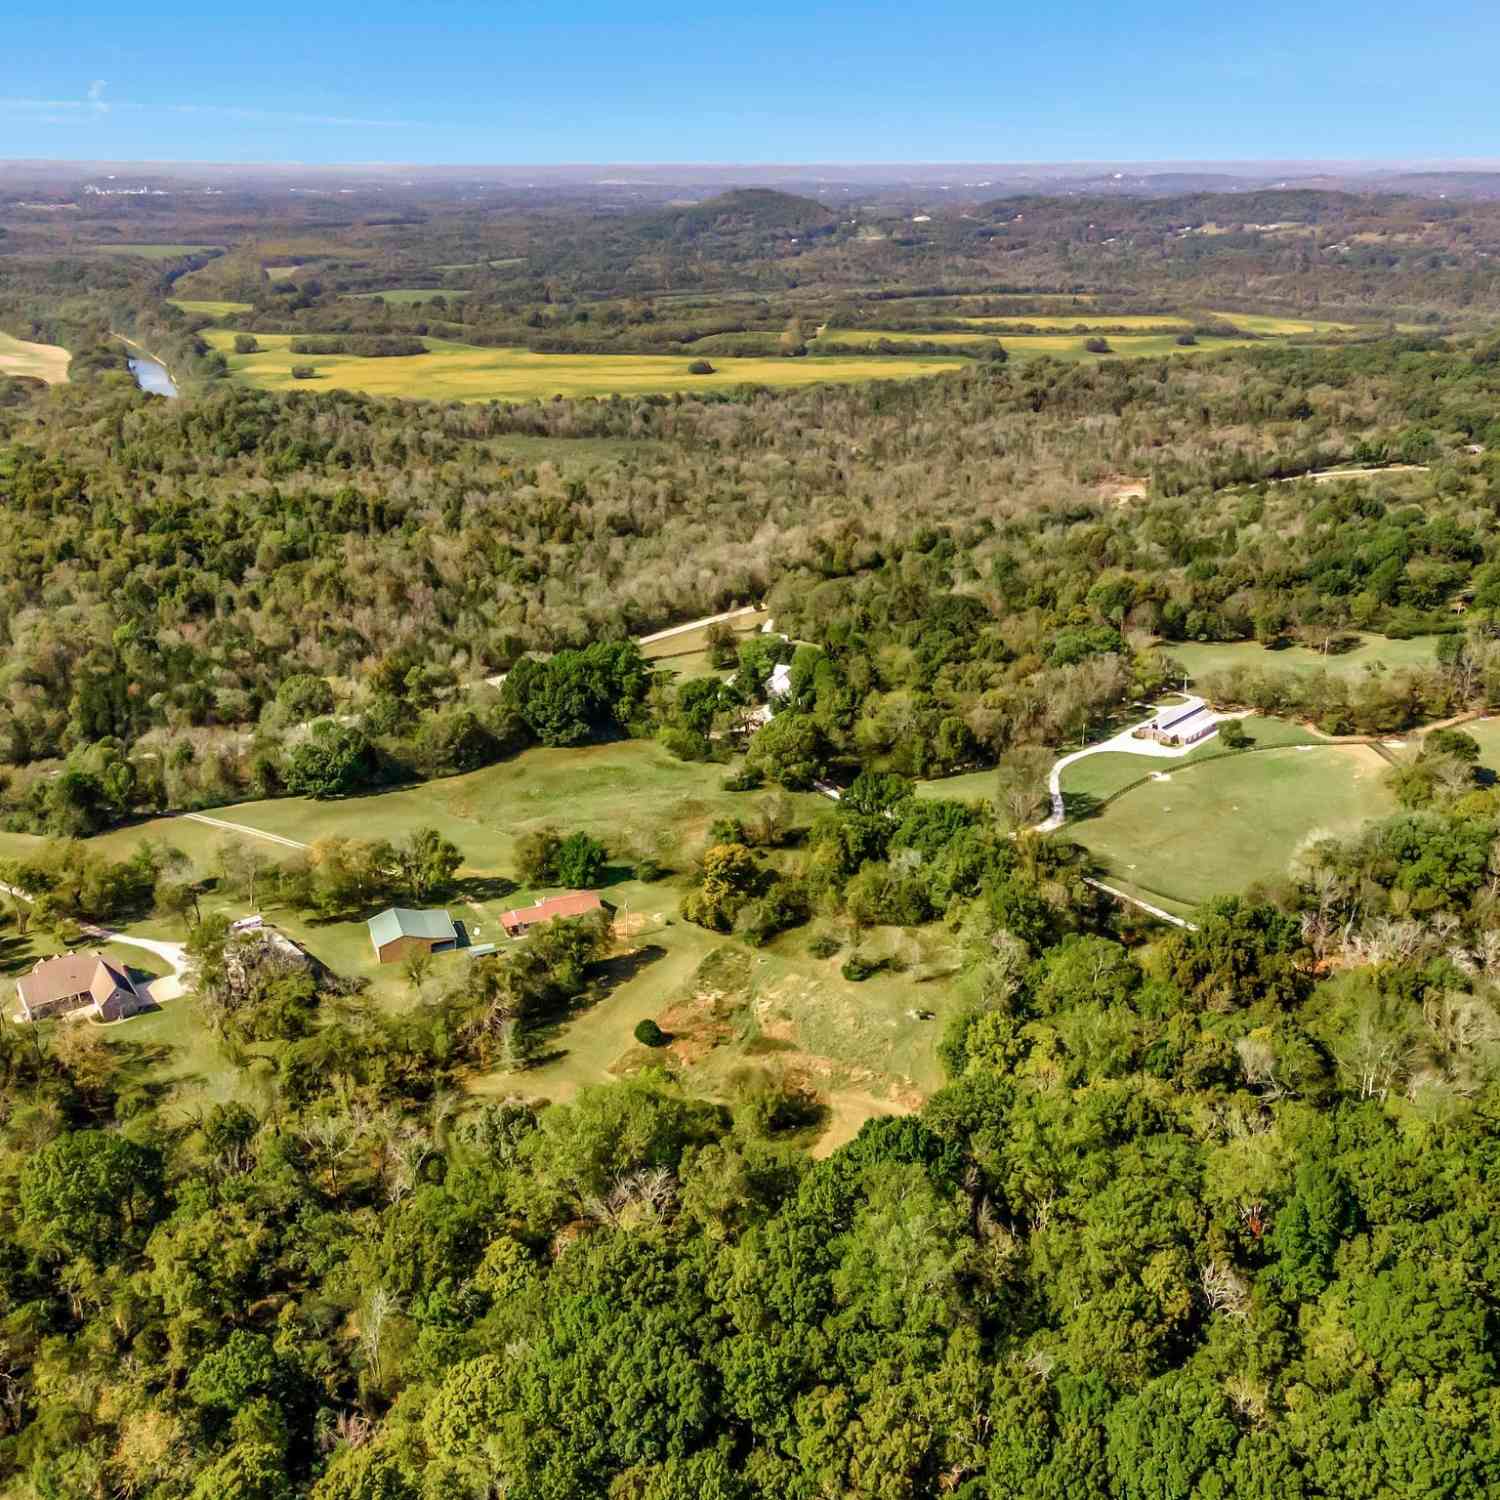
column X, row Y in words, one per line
column 79, row 981
column 397, row 932
column 519, row 921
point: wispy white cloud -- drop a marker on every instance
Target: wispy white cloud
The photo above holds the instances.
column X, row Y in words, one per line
column 94, row 104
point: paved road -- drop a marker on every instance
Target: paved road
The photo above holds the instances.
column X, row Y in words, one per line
column 166, row 987
column 1124, row 743
column 174, row 955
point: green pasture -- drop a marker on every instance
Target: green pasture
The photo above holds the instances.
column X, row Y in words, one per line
column 865, row 1047
column 155, row 252
column 1215, row 826
column 868, row 1048
column 1487, row 732
column 209, row 308
column 1070, row 347
column 1064, row 346
column 1086, row 322
column 692, row 644
column 1097, row 777
column 1276, row 324
column 404, row 296
column 1374, row 653
column 461, row 372
column 46, row 362
column 872, row 336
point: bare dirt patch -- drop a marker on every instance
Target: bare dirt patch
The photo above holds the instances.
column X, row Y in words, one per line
column 1123, row 488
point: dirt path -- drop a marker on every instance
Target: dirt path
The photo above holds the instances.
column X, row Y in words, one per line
column 666, row 635
column 255, row 833
column 1145, row 906
column 169, row 986
column 1327, row 476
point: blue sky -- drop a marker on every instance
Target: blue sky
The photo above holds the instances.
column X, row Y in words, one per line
column 946, row 80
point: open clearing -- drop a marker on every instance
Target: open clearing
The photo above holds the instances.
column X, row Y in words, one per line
column 210, row 309
column 46, row 362
column 1487, row 732
column 1374, row 653
column 155, row 252
column 1063, row 346
column 1214, row 827
column 1087, row 322
column 1274, row 323
column 462, row 372
column 408, row 294
column 1093, row 778
column 864, row 1049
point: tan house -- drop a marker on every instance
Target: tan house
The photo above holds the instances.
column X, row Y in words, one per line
column 398, row 932
column 77, row 981
column 522, row 919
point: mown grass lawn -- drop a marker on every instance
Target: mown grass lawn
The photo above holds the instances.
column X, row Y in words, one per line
column 463, row 372
column 1487, row 732
column 1096, row 777
column 1213, row 827
column 1373, row 653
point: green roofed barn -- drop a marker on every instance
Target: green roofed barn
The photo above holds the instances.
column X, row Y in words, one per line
column 397, row 932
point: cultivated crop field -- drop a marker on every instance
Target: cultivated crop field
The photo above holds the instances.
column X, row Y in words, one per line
column 43, row 361
column 1212, row 828
column 462, row 372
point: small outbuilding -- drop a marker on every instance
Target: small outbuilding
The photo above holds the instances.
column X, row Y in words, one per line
column 522, row 919
column 398, row 932
column 79, row 981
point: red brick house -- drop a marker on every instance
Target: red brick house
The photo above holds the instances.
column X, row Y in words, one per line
column 522, row 919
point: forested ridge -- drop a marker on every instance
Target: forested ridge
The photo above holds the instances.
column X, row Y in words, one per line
column 1196, row 1213
column 951, row 545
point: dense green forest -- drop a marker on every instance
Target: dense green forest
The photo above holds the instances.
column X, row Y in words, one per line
column 1199, row 1212
column 175, row 573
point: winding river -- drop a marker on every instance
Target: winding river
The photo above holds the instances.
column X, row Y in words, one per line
column 151, row 375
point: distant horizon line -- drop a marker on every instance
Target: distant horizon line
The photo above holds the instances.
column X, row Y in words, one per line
column 1272, row 164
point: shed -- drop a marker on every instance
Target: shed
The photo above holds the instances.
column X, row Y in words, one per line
column 399, row 931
